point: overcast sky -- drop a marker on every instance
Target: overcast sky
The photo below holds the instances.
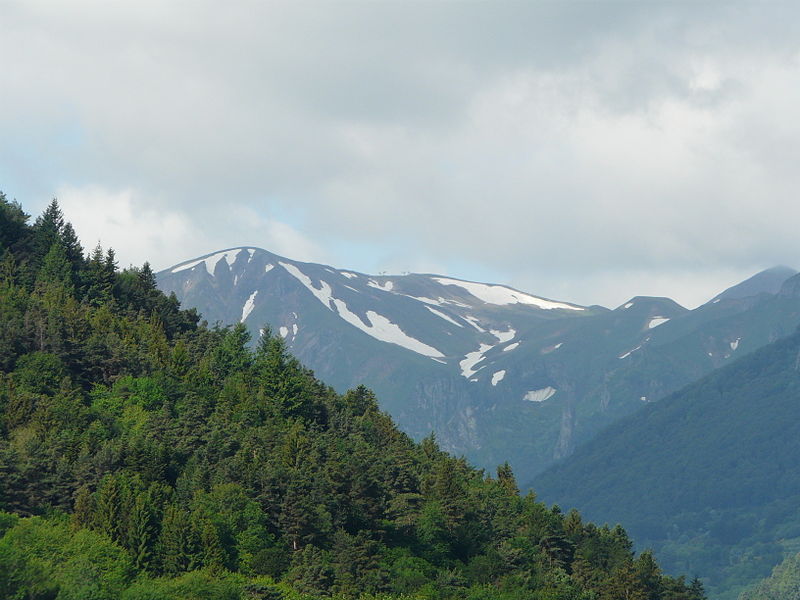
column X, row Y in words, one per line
column 586, row 151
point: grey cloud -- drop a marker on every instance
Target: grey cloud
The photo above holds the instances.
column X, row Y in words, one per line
column 539, row 140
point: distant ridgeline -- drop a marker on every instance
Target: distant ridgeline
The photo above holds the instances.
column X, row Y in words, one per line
column 499, row 374
column 144, row 456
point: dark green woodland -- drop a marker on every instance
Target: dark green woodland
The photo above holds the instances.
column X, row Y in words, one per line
column 146, row 455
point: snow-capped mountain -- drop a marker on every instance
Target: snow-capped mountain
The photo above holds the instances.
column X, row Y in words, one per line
column 497, row 373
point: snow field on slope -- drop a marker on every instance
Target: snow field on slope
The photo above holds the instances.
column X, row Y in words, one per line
column 500, row 295
column 443, row 316
column 540, row 395
column 498, row 377
column 380, row 327
column 212, row 261
column 386, row 287
column 656, row 321
column 471, row 359
column 249, row 305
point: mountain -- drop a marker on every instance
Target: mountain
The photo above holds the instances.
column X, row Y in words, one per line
column 146, row 456
column 497, row 373
column 768, row 281
column 708, row 477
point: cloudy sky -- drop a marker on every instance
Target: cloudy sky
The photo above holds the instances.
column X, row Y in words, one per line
column 585, row 151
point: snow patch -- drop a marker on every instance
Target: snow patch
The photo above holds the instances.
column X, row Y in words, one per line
column 501, row 295
column 735, row 344
column 294, row 329
column 268, row 268
column 348, row 274
column 558, row 345
column 540, row 395
column 629, row 352
column 438, row 302
column 211, row 261
column 383, row 329
column 386, row 287
column 504, row 336
column 444, row 316
column 284, row 331
column 474, row 322
column 510, row 347
column 323, row 294
column 628, row 305
column 656, row 321
column 378, row 326
column 473, row 358
column 249, row 305
column 498, row 377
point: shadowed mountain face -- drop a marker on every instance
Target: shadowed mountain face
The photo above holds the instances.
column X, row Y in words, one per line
column 708, row 477
column 497, row 373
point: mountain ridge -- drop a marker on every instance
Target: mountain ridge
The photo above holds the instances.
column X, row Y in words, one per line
column 498, row 374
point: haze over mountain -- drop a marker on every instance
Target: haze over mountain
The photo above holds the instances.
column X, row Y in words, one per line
column 497, row 373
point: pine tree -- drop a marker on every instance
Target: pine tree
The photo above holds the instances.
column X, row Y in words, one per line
column 98, row 278
column 110, row 507
column 176, row 541
column 72, row 246
column 47, row 231
column 14, row 234
column 83, row 514
column 56, row 269
column 141, row 534
column 506, row 479
column 649, row 575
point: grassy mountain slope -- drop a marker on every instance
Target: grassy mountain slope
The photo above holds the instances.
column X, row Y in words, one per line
column 709, row 477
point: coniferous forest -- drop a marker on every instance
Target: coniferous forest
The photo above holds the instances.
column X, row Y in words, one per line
column 146, row 455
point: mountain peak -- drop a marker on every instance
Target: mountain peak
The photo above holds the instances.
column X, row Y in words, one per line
column 648, row 303
column 768, row 281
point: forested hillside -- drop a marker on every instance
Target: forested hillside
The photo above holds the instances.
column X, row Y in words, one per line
column 783, row 584
column 144, row 456
column 708, row 477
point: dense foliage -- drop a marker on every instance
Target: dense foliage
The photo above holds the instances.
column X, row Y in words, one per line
column 708, row 477
column 144, row 456
column 783, row 584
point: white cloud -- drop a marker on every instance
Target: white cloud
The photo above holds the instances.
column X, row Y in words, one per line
column 141, row 228
column 541, row 141
column 137, row 230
